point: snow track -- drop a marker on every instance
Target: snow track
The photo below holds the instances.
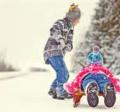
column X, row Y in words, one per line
column 29, row 94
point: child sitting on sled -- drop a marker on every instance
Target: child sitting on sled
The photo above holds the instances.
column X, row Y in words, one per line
column 94, row 80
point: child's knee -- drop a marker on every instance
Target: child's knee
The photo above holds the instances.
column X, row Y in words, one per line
column 63, row 75
column 66, row 77
column 103, row 86
column 86, row 84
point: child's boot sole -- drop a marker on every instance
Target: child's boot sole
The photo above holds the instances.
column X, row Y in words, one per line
column 92, row 96
column 109, row 95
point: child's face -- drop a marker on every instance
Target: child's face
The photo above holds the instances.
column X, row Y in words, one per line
column 76, row 21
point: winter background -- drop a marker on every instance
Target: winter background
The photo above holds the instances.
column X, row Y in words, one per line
column 24, row 30
column 25, row 24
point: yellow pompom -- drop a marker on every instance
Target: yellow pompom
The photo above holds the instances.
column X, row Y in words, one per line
column 72, row 7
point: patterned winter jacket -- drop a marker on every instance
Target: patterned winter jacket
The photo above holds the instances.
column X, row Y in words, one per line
column 62, row 30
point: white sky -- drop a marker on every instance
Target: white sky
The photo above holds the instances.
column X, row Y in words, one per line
column 25, row 24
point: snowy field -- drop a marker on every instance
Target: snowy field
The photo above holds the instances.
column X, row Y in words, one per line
column 29, row 94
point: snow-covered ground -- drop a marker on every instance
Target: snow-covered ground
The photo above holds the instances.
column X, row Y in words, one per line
column 29, row 94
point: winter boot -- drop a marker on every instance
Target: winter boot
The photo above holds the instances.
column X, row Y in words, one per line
column 60, row 97
column 52, row 92
column 109, row 95
column 67, row 95
column 60, row 94
column 92, row 94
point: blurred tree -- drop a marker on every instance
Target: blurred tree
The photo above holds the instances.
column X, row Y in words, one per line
column 104, row 31
column 4, row 66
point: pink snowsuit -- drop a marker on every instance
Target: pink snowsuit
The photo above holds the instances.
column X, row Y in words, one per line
column 95, row 69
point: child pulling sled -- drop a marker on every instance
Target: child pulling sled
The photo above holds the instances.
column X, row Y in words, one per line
column 59, row 43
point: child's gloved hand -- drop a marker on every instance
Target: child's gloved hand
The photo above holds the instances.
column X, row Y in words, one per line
column 62, row 44
column 68, row 47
